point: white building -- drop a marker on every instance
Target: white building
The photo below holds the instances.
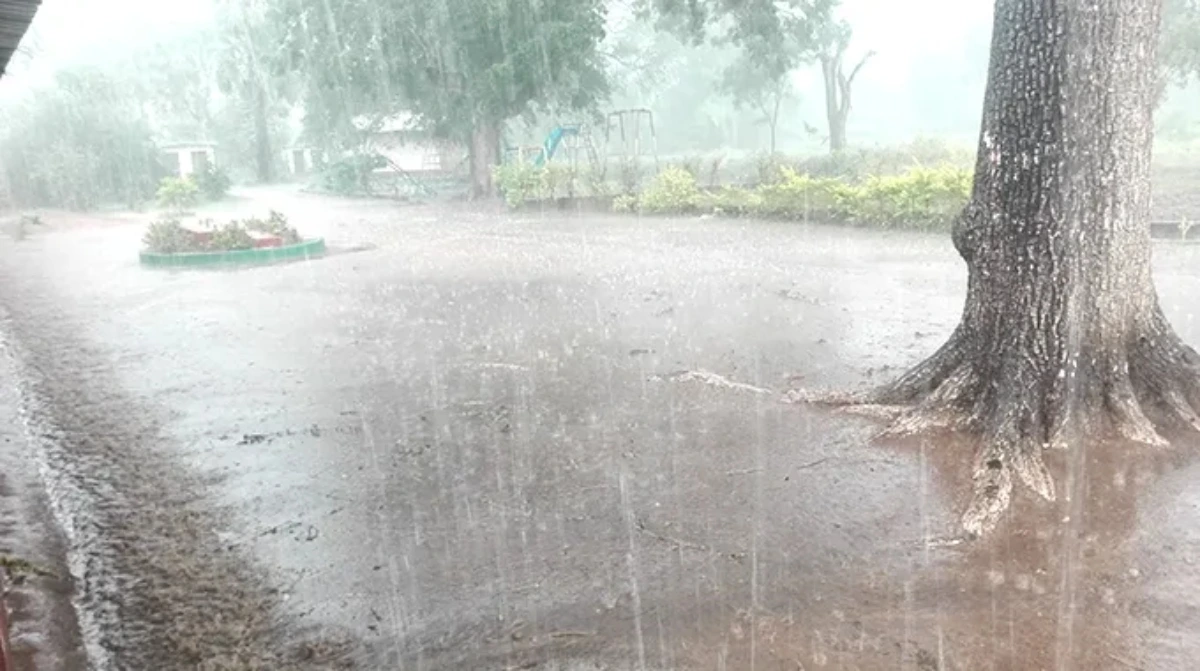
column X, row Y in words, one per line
column 188, row 158
column 401, row 139
column 302, row 160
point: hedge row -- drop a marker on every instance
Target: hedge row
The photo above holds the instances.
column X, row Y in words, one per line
column 919, row 198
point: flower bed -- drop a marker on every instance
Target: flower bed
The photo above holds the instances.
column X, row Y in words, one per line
column 302, row 250
column 172, row 243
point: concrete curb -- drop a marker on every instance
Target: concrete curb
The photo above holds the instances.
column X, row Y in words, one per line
column 303, row 250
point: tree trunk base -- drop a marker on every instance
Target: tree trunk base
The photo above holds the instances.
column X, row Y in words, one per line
column 1149, row 386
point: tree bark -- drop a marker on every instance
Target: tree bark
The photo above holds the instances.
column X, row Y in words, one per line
column 262, row 137
column 831, row 66
column 1062, row 340
column 485, row 155
column 774, row 120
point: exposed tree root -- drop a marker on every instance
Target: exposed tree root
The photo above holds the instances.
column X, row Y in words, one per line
column 1018, row 410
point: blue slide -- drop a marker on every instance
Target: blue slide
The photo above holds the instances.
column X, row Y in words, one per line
column 552, row 141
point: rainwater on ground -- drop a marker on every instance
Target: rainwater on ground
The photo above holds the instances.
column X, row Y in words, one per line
column 475, row 440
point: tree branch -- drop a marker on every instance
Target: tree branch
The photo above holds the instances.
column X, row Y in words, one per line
column 844, row 83
column 861, row 63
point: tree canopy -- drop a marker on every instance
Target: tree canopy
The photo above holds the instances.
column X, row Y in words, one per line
column 80, row 142
column 1179, row 52
column 463, row 66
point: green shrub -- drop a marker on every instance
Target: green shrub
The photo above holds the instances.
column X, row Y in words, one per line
column 691, row 164
column 229, row 237
column 629, row 175
column 519, row 183
column 768, row 168
column 800, row 196
column 351, row 174
column 861, row 164
column 595, row 182
column 213, row 183
column 275, row 224
column 731, row 201
column 714, row 170
column 177, row 193
column 673, row 190
column 558, row 181
column 168, row 236
column 625, row 203
column 921, row 198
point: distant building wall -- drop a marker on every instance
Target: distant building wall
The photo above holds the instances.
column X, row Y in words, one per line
column 188, row 159
column 412, row 153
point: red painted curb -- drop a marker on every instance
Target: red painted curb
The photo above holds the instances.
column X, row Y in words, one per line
column 5, row 658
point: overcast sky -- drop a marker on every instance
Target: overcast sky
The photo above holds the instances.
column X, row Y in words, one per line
column 72, row 31
column 67, row 32
column 903, row 34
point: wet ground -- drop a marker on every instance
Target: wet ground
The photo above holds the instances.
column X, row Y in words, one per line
column 469, row 440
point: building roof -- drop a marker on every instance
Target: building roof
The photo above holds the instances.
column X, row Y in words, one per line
column 15, row 17
column 168, row 146
column 400, row 121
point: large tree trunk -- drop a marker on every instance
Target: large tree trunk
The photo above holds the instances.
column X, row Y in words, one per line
column 262, row 137
column 831, row 67
column 1062, row 340
column 485, row 155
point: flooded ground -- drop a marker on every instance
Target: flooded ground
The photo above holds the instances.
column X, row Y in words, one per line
column 470, row 440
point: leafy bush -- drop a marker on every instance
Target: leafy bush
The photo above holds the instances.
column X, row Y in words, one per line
column 559, row 181
column 177, row 193
column 922, row 198
column 229, row 237
column 862, row 164
column 275, row 224
column 213, row 183
column 796, row 196
column 625, row 203
column 168, row 236
column 732, row 201
column 629, row 175
column 351, row 174
column 768, row 168
column 714, row 170
column 672, row 190
column 595, row 182
column 519, row 182
column 691, row 164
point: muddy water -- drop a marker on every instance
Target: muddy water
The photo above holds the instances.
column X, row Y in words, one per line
column 554, row 442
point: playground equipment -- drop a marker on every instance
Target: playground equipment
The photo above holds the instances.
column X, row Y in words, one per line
column 629, row 135
column 552, row 141
column 572, row 140
column 634, row 128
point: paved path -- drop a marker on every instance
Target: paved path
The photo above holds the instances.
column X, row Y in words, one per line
column 555, row 441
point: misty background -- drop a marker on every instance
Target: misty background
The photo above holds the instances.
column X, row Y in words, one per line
column 924, row 79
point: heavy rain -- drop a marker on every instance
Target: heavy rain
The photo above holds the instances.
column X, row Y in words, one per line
column 599, row 334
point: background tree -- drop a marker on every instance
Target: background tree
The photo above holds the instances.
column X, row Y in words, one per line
column 753, row 85
column 78, row 143
column 464, row 67
column 776, row 37
column 1062, row 340
column 834, row 41
column 683, row 82
column 1179, row 52
column 253, row 72
column 176, row 78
